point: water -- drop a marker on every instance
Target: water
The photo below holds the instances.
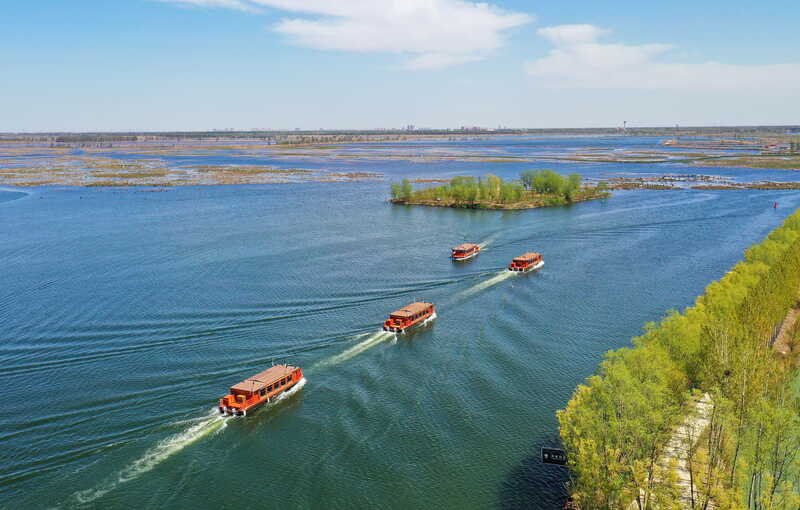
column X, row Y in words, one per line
column 125, row 315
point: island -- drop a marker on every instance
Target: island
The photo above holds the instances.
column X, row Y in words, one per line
column 535, row 188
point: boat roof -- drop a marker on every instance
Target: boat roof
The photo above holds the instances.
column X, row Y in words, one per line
column 265, row 378
column 465, row 247
column 527, row 257
column 412, row 309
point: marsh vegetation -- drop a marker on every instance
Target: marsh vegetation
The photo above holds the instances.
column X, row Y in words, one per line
column 535, row 188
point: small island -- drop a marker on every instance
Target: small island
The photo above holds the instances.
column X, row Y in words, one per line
column 535, row 188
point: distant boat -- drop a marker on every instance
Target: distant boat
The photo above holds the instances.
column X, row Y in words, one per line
column 259, row 389
column 465, row 251
column 415, row 314
column 527, row 262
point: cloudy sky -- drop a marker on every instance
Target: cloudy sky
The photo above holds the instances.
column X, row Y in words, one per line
column 84, row 65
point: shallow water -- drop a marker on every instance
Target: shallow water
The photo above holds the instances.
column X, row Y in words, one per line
column 124, row 315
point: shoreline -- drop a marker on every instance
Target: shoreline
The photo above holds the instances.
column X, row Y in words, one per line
column 488, row 206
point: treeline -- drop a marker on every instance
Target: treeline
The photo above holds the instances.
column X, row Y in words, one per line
column 616, row 425
column 93, row 138
column 533, row 184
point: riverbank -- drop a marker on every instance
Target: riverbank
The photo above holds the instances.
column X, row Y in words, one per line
column 621, row 420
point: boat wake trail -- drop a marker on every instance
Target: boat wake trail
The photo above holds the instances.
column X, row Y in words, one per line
column 486, row 243
column 165, row 449
column 371, row 341
column 494, row 280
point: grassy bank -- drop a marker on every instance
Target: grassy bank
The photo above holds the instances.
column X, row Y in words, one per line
column 616, row 425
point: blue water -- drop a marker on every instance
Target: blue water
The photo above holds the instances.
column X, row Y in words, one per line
column 125, row 314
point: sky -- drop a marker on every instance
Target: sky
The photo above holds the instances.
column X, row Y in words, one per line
column 158, row 65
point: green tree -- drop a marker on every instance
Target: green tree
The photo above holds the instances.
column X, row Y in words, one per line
column 615, row 424
column 397, row 190
column 406, row 190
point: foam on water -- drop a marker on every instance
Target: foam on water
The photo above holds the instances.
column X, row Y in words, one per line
column 487, row 242
column 371, row 341
column 211, row 424
column 494, row 280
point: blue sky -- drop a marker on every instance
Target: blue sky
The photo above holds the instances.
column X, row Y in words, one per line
column 213, row 64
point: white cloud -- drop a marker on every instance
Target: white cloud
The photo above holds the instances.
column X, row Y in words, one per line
column 571, row 34
column 439, row 60
column 579, row 60
column 432, row 33
column 228, row 4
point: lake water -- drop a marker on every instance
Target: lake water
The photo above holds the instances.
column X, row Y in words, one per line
column 125, row 315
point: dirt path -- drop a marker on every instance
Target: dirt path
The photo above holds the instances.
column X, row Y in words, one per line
column 783, row 342
column 683, row 439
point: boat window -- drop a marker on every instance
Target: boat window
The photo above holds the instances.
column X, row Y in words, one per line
column 262, row 392
column 269, row 388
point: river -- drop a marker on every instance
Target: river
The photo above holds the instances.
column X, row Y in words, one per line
column 125, row 315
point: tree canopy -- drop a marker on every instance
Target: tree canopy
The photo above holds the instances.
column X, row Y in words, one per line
column 618, row 422
column 534, row 185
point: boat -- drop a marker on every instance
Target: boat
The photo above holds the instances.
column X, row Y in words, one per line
column 465, row 251
column 409, row 317
column 526, row 262
column 260, row 389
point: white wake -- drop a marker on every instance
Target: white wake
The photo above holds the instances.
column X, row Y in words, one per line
column 159, row 453
column 494, row 280
column 211, row 424
column 371, row 341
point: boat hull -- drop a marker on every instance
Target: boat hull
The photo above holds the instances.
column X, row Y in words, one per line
column 466, row 257
column 244, row 411
column 532, row 267
column 417, row 324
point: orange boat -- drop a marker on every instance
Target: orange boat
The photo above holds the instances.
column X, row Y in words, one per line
column 259, row 389
column 465, row 251
column 526, row 262
column 413, row 315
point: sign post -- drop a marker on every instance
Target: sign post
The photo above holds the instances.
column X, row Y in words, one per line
column 554, row 456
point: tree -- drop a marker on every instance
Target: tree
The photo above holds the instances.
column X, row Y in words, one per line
column 406, row 190
column 750, row 455
column 397, row 190
column 571, row 186
column 526, row 178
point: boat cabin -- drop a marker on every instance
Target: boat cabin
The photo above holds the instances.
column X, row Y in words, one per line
column 525, row 261
column 409, row 316
column 259, row 389
column 465, row 251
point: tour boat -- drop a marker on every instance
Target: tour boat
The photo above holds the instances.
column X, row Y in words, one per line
column 526, row 262
column 465, row 251
column 260, row 389
column 412, row 315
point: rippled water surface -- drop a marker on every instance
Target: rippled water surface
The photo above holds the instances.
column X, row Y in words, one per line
column 125, row 314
